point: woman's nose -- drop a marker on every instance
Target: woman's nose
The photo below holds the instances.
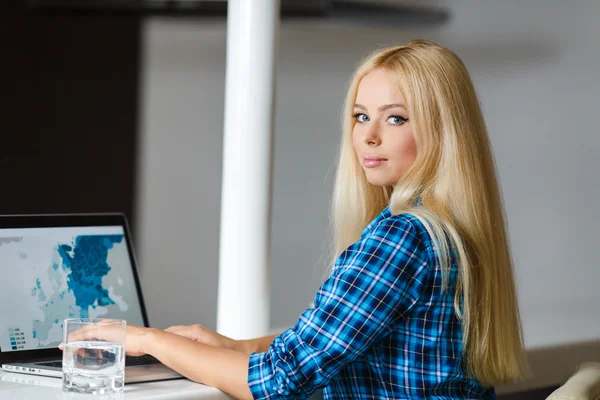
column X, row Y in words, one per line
column 372, row 137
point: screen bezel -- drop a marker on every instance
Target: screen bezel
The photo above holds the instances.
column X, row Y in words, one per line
column 62, row 221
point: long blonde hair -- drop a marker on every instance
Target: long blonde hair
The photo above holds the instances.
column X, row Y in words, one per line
column 454, row 175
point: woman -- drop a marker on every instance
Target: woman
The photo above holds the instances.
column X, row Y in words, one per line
column 421, row 300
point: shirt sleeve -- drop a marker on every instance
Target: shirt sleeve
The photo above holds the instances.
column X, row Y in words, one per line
column 374, row 283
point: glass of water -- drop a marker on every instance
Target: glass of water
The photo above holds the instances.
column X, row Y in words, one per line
column 94, row 355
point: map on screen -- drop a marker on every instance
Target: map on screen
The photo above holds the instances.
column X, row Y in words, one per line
column 49, row 274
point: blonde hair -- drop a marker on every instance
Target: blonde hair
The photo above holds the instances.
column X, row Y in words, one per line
column 454, row 175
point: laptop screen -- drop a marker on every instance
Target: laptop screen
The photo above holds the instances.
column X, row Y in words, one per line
column 53, row 273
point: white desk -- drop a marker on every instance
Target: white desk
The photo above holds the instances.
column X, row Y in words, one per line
column 27, row 387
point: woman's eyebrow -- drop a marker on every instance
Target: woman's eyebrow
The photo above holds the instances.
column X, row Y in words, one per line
column 382, row 108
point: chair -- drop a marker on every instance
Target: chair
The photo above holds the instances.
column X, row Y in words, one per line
column 583, row 385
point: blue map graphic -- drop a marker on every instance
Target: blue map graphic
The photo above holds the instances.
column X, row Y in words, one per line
column 76, row 282
column 88, row 266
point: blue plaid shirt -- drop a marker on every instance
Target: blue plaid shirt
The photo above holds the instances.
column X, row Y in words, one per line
column 380, row 328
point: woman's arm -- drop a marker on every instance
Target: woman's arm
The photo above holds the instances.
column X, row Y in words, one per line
column 376, row 281
column 202, row 334
column 224, row 369
column 259, row 345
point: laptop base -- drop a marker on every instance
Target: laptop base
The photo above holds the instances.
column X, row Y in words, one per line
column 133, row 374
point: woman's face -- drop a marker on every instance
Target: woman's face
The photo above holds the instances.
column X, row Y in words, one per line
column 382, row 136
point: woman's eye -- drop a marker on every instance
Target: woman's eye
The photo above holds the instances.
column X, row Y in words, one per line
column 396, row 120
column 361, row 117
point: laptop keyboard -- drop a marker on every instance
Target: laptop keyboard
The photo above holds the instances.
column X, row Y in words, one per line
column 141, row 360
column 129, row 361
column 57, row 364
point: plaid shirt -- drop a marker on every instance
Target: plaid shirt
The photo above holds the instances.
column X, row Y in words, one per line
column 380, row 328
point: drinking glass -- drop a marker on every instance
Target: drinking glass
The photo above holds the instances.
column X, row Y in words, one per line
column 94, row 355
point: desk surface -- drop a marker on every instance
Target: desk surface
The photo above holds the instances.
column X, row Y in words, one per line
column 23, row 386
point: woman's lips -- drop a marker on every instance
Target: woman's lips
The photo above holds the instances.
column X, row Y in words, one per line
column 373, row 161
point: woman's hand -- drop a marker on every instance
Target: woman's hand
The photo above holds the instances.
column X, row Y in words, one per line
column 135, row 337
column 203, row 335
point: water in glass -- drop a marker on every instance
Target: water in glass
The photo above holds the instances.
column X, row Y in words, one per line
column 94, row 367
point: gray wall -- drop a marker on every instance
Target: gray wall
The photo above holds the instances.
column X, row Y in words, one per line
column 535, row 64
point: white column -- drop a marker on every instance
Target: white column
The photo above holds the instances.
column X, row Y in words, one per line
column 244, row 292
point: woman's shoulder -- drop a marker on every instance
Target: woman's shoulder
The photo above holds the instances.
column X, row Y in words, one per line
column 402, row 222
column 403, row 229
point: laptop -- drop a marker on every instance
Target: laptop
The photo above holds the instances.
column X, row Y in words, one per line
column 55, row 267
